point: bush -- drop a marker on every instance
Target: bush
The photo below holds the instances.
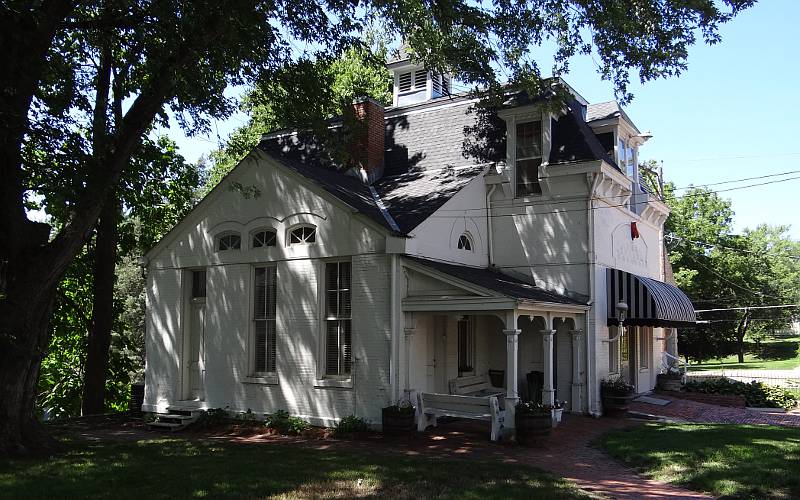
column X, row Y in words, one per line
column 532, row 408
column 284, row 423
column 615, row 387
column 756, row 394
column 349, row 425
column 213, row 417
column 401, row 408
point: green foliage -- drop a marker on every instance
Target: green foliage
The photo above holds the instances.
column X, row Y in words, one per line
column 286, row 424
column 722, row 270
column 401, row 408
column 757, row 394
column 299, row 95
column 532, row 408
column 213, row 417
column 350, row 424
column 616, row 387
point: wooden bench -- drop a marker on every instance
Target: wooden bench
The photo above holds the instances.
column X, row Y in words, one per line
column 432, row 406
column 476, row 385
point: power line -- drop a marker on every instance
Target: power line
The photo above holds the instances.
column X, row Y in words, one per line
column 733, row 249
column 745, row 308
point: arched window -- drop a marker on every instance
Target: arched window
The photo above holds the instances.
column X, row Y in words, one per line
column 229, row 241
column 303, row 234
column 263, row 238
column 464, row 242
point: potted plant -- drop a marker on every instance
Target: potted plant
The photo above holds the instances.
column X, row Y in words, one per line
column 398, row 418
column 670, row 380
column 533, row 421
column 556, row 410
column 617, row 396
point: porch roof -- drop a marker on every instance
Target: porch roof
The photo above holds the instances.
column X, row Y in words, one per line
column 497, row 282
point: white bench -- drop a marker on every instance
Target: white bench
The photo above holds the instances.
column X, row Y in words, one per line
column 475, row 385
column 432, row 406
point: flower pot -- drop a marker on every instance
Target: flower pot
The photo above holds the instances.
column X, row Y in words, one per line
column 616, row 405
column 556, row 415
column 669, row 381
column 397, row 423
column 533, row 427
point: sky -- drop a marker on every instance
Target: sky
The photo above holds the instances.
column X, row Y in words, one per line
column 731, row 115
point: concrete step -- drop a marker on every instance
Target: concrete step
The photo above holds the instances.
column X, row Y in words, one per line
column 170, row 426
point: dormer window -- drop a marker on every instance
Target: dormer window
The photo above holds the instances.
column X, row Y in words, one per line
column 465, row 243
column 264, row 238
column 626, row 157
column 528, row 158
column 229, row 241
column 303, row 234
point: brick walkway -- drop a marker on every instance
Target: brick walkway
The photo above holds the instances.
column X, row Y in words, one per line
column 692, row 411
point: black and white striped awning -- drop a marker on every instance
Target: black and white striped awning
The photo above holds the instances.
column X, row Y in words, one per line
column 650, row 302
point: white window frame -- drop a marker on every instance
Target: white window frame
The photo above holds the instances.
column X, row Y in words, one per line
column 218, row 241
column 341, row 374
column 266, row 375
column 254, row 232
column 294, row 228
column 524, row 114
column 470, row 241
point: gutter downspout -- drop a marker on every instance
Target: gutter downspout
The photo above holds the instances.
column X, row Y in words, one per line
column 489, row 224
column 592, row 180
column 394, row 354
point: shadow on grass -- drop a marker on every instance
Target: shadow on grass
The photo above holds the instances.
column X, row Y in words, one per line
column 736, row 461
column 173, row 468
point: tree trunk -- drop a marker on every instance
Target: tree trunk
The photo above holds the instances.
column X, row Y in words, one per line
column 96, row 369
column 741, row 330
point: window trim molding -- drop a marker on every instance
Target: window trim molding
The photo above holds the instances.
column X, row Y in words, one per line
column 253, row 376
column 259, row 229
column 294, row 227
column 218, row 237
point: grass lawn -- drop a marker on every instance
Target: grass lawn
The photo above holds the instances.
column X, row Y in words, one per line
column 740, row 461
column 179, row 468
column 752, row 362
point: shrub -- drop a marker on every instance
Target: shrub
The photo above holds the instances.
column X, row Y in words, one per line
column 284, row 423
column 532, row 408
column 213, row 417
column 615, row 387
column 349, row 425
column 402, row 408
column 756, row 394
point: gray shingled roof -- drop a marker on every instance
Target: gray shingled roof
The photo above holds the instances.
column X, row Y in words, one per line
column 496, row 281
column 602, row 111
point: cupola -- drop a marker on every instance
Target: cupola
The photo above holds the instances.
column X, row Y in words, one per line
column 413, row 83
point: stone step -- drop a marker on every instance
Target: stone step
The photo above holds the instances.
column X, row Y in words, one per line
column 171, row 426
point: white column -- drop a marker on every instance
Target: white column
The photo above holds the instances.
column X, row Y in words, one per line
column 409, row 336
column 548, row 391
column 577, row 374
column 512, row 393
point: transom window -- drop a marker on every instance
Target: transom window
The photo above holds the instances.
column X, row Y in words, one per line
column 528, row 158
column 465, row 243
column 338, row 312
column 265, row 298
column 229, row 241
column 264, row 238
column 466, row 346
column 303, row 234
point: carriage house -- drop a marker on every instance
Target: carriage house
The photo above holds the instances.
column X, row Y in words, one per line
column 502, row 244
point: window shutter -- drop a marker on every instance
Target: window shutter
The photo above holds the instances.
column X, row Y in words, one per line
column 260, row 360
column 346, row 345
column 332, row 348
column 405, row 82
column 420, row 77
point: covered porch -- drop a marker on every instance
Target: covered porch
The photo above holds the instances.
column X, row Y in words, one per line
column 527, row 343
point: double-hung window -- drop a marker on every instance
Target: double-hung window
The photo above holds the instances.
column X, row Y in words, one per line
column 466, row 346
column 264, row 316
column 528, row 158
column 338, row 337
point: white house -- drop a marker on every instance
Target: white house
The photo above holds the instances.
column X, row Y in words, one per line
column 462, row 242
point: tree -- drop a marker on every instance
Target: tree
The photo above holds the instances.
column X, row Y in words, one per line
column 82, row 84
column 730, row 272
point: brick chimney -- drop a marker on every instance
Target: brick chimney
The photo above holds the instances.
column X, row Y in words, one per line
column 368, row 147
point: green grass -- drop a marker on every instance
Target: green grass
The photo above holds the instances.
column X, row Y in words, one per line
column 176, row 468
column 753, row 362
column 738, row 461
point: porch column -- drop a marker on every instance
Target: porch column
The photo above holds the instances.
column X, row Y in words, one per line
column 409, row 336
column 512, row 394
column 548, row 391
column 577, row 378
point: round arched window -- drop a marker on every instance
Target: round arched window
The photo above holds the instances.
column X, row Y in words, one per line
column 464, row 242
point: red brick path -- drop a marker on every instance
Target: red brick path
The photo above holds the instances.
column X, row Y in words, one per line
column 693, row 411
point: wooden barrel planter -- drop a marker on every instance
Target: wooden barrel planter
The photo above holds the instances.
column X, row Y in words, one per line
column 668, row 381
column 532, row 428
column 394, row 422
column 616, row 405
